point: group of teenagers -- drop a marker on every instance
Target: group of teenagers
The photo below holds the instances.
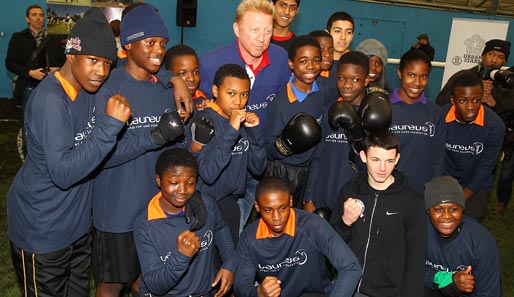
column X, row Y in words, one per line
column 167, row 154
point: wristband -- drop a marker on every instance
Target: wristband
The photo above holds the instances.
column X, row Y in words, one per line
column 442, row 279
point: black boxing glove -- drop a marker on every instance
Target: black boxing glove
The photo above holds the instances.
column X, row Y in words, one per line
column 342, row 115
column 195, row 209
column 375, row 111
column 301, row 133
column 202, row 130
column 170, row 127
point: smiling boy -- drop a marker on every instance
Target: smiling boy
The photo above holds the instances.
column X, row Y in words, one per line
column 285, row 12
column 306, row 92
column 474, row 137
column 176, row 261
column 462, row 256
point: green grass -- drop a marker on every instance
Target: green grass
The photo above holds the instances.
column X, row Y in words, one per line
column 502, row 226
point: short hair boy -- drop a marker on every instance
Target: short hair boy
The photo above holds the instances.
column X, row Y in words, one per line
column 341, row 26
column 462, row 256
column 330, row 167
column 381, row 217
column 474, row 137
column 307, row 93
column 326, row 42
column 236, row 146
column 183, row 61
column 154, row 125
column 174, row 260
column 50, row 215
column 285, row 12
column 285, row 250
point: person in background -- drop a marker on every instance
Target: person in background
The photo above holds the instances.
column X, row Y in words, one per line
column 423, row 44
column 341, row 26
column 285, row 12
column 32, row 54
column 377, row 54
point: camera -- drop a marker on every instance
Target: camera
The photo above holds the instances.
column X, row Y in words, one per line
column 504, row 77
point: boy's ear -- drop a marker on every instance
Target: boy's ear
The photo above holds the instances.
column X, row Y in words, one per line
column 362, row 154
column 397, row 159
column 158, row 180
column 399, row 74
column 290, row 200
column 290, row 63
column 366, row 80
column 256, row 205
column 214, row 91
column 452, row 101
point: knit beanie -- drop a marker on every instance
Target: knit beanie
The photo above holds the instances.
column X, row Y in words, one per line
column 373, row 47
column 92, row 35
column 497, row 45
column 443, row 189
column 142, row 22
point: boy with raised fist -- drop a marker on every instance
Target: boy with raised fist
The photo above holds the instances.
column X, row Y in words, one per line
column 125, row 184
column 292, row 126
column 381, row 218
column 49, row 202
column 228, row 140
column 176, row 258
column 462, row 257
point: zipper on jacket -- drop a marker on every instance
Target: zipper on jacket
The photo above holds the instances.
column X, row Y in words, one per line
column 367, row 242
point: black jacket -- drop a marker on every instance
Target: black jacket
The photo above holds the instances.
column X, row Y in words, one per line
column 21, row 46
column 389, row 240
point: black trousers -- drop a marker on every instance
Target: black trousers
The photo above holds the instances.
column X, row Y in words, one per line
column 61, row 273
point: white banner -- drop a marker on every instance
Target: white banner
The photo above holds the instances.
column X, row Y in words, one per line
column 467, row 40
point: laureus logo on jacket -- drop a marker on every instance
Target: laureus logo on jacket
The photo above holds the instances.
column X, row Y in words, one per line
column 475, row 149
column 428, row 129
column 299, row 258
column 242, row 146
column 206, row 241
column 82, row 135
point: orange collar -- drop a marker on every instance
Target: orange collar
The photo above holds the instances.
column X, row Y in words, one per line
column 199, row 94
column 68, row 88
column 479, row 120
column 154, row 208
column 215, row 107
column 290, row 229
column 155, row 211
column 325, row 73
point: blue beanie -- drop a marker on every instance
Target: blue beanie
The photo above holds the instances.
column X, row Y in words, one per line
column 142, row 22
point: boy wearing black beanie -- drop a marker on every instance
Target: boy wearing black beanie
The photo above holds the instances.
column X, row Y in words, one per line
column 49, row 202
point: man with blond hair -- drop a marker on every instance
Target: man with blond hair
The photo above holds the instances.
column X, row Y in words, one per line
column 265, row 63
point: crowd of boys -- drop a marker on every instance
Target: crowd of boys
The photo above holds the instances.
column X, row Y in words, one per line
column 168, row 157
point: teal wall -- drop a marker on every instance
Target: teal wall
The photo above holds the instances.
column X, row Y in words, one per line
column 397, row 27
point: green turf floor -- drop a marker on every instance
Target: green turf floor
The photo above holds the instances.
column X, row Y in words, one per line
column 502, row 226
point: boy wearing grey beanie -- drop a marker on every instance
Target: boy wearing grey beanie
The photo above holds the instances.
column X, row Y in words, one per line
column 462, row 257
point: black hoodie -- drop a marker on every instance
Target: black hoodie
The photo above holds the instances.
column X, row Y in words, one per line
column 389, row 240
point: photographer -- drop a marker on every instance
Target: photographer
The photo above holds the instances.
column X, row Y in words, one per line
column 500, row 98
